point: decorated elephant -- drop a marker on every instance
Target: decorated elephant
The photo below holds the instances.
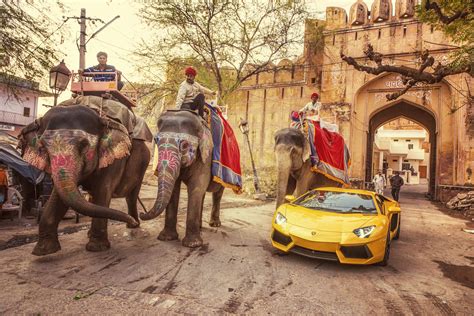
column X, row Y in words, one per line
column 78, row 147
column 184, row 155
column 295, row 174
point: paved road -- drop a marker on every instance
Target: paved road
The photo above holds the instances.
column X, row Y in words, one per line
column 431, row 271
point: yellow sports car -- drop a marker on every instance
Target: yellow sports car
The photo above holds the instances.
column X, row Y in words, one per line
column 345, row 225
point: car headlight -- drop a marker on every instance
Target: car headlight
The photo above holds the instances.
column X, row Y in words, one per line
column 364, row 232
column 280, row 219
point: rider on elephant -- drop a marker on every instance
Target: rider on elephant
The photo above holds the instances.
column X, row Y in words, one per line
column 311, row 109
column 103, row 67
column 191, row 94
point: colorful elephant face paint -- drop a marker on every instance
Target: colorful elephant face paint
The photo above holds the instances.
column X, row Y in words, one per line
column 70, row 149
column 176, row 149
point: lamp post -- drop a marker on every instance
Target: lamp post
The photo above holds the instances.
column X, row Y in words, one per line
column 244, row 128
column 59, row 79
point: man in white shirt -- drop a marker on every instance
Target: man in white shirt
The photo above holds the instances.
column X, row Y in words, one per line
column 379, row 183
column 311, row 109
column 191, row 94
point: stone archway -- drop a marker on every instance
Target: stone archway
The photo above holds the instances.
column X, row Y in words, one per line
column 415, row 113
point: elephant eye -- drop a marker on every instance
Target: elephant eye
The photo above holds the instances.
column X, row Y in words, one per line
column 184, row 145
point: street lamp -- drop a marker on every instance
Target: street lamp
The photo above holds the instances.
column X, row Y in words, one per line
column 59, row 79
column 244, row 128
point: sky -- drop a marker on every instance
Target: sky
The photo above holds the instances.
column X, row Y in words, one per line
column 123, row 36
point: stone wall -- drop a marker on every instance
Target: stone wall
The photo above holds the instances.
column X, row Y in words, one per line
column 351, row 98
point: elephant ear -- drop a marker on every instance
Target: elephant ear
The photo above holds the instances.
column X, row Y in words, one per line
column 114, row 144
column 32, row 147
column 205, row 144
column 306, row 150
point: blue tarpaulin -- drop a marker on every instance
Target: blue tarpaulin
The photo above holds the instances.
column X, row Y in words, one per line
column 12, row 158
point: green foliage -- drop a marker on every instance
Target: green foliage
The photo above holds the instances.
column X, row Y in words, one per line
column 27, row 34
column 223, row 37
column 460, row 30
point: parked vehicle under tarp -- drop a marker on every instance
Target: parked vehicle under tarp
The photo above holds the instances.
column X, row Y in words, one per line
column 11, row 157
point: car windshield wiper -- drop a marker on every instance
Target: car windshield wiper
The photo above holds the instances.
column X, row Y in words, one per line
column 361, row 210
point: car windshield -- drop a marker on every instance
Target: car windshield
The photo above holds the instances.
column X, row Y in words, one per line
column 340, row 202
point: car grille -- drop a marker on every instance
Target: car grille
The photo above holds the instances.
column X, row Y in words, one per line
column 314, row 254
column 356, row 252
column 280, row 238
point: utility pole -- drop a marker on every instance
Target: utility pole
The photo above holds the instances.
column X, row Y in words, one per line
column 82, row 40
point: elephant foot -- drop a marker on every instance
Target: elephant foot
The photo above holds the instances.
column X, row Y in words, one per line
column 166, row 235
column 96, row 245
column 46, row 247
column 215, row 222
column 192, row 241
column 137, row 225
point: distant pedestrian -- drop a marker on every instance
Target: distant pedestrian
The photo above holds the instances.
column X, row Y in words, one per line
column 379, row 183
column 396, row 182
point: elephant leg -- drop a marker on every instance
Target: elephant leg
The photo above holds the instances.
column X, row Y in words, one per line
column 291, row 185
column 98, row 237
column 196, row 194
column 215, row 220
column 171, row 215
column 132, row 199
column 53, row 212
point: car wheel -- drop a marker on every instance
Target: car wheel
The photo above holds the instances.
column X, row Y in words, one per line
column 386, row 255
column 397, row 234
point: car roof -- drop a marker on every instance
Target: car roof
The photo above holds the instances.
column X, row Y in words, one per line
column 348, row 190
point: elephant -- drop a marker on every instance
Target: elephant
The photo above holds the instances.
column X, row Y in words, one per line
column 294, row 166
column 184, row 155
column 78, row 147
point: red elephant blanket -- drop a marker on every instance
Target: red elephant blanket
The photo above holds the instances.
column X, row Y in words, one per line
column 225, row 154
column 329, row 154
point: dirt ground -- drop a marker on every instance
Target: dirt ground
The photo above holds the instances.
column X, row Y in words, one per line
column 431, row 269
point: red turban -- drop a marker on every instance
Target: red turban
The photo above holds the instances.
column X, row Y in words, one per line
column 315, row 94
column 190, row 71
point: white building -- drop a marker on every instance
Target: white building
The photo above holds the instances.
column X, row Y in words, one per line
column 406, row 151
column 18, row 103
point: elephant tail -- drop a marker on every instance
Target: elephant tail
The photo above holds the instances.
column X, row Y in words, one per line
column 65, row 173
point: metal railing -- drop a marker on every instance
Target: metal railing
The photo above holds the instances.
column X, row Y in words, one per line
column 15, row 118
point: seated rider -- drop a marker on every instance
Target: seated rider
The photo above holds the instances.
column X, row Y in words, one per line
column 103, row 67
column 311, row 109
column 191, row 94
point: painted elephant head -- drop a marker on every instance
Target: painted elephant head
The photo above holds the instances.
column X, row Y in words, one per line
column 292, row 151
column 71, row 143
column 181, row 139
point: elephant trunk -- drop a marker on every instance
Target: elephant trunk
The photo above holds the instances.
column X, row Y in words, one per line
column 169, row 165
column 284, row 164
column 65, row 173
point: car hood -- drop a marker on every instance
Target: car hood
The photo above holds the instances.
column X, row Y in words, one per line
column 326, row 221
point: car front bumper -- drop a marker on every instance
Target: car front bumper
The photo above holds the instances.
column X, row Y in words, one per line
column 341, row 247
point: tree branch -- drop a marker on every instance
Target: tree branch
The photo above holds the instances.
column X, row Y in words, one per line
column 444, row 18
column 410, row 76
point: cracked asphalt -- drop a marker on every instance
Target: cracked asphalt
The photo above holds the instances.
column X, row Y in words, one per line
column 431, row 270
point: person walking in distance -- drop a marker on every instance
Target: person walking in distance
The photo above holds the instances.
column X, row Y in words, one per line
column 396, row 182
column 379, row 183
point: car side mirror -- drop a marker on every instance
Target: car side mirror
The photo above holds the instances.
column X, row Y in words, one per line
column 394, row 209
column 290, row 198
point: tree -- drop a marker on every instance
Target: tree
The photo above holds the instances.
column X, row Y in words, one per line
column 224, row 36
column 28, row 49
column 456, row 19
